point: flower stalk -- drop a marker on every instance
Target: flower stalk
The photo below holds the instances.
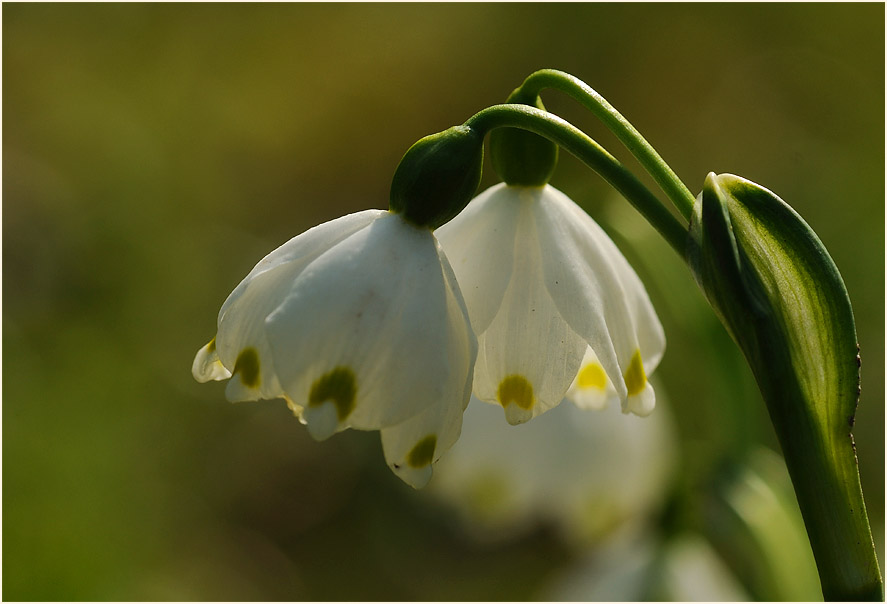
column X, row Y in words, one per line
column 591, row 154
column 661, row 172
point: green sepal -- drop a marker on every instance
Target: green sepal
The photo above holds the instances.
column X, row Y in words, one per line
column 782, row 299
column 519, row 157
column 438, row 176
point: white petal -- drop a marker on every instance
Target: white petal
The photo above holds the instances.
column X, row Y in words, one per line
column 479, row 244
column 207, row 365
column 642, row 403
column 241, row 337
column 650, row 335
column 595, row 289
column 592, row 389
column 303, row 248
column 365, row 325
column 322, row 421
column 529, row 355
column 411, row 447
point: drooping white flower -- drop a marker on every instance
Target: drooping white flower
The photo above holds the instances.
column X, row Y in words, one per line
column 357, row 323
column 553, row 303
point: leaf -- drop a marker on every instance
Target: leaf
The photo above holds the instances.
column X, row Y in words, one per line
column 782, row 299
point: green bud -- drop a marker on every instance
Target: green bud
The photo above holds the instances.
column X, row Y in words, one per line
column 438, row 176
column 781, row 297
column 520, row 157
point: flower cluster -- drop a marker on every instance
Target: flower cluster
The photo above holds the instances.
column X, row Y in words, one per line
column 362, row 323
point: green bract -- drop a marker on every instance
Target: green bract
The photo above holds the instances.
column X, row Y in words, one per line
column 438, row 176
column 779, row 293
column 519, row 157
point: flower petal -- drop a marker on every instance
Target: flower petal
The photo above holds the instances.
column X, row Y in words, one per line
column 364, row 327
column 584, row 270
column 642, row 403
column 479, row 244
column 207, row 365
column 529, row 355
column 242, row 345
column 303, row 248
column 411, row 447
column 592, row 389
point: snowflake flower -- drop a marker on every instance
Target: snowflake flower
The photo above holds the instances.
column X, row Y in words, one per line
column 357, row 323
column 553, row 302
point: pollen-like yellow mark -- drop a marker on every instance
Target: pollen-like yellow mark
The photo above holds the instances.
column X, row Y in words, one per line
column 423, row 453
column 635, row 378
column 592, row 376
column 247, row 366
column 338, row 386
column 516, row 389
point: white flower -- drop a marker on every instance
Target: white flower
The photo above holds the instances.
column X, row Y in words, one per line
column 636, row 567
column 545, row 289
column 357, row 323
column 590, row 474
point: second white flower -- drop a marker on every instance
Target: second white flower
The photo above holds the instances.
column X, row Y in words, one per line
column 553, row 303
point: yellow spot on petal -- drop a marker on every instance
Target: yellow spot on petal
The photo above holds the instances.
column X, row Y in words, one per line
column 211, row 347
column 592, row 376
column 635, row 378
column 338, row 386
column 423, row 453
column 247, row 366
column 516, row 389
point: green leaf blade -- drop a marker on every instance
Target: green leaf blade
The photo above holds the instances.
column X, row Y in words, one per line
column 782, row 298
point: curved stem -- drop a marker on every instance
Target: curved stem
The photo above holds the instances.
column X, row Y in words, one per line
column 593, row 155
column 664, row 176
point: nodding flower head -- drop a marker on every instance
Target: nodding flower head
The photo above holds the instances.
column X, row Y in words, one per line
column 357, row 323
column 554, row 304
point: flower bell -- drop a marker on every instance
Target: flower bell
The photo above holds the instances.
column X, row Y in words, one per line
column 552, row 301
column 357, row 323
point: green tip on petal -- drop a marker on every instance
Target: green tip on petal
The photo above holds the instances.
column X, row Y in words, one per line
column 339, row 387
column 247, row 366
column 635, row 377
column 423, row 453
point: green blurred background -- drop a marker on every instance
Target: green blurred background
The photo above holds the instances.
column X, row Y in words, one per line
column 152, row 154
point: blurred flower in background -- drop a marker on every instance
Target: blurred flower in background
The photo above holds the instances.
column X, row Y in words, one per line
column 642, row 567
column 764, row 543
column 589, row 473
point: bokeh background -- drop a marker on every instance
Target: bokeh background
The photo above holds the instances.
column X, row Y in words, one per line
column 152, row 154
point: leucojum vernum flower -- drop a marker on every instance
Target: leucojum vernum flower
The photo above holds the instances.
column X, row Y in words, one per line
column 390, row 320
column 553, row 304
column 356, row 323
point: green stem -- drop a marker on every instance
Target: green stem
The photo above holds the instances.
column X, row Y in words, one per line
column 593, row 155
column 664, row 176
